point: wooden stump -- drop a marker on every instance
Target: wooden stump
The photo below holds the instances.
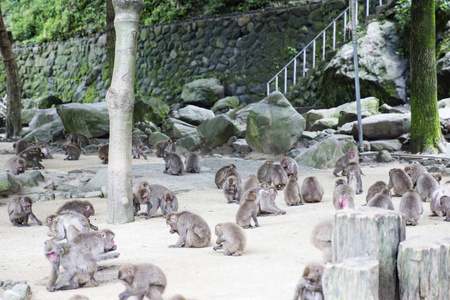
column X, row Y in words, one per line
column 375, row 233
column 353, row 278
column 424, row 268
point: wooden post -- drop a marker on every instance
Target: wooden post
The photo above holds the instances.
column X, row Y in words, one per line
column 424, row 268
column 353, row 278
column 375, row 233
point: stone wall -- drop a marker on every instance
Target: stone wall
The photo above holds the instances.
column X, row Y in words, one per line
column 243, row 51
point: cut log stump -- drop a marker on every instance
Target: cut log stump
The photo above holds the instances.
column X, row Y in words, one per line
column 353, row 278
column 375, row 233
column 424, row 268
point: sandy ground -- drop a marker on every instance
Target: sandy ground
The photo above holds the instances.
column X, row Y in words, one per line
column 269, row 269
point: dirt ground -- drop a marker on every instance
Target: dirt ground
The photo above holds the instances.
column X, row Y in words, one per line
column 269, row 268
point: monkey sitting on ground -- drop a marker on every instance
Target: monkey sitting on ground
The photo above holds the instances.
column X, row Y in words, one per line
column 136, row 147
column 312, row 190
column 79, row 138
column 82, row 207
column 21, row 145
column 400, row 181
column 343, row 195
column 354, row 176
column 278, row 177
column 73, row 151
column 45, row 149
column 103, row 153
column 231, row 238
column 289, row 165
column 66, row 225
column 382, row 200
column 265, row 199
column 321, row 238
column 411, row 207
column 309, row 286
column 174, row 164
column 99, row 243
column 140, row 196
column 192, row 163
column 142, row 280
column 77, row 261
column 19, row 209
column 263, row 173
column 15, row 165
column 426, row 185
column 169, row 203
column 445, row 207
column 292, row 195
column 414, row 171
column 32, row 155
column 374, row 189
column 342, row 163
column 163, row 147
column 247, row 210
column 232, row 189
column 249, row 183
column 221, row 175
column 193, row 231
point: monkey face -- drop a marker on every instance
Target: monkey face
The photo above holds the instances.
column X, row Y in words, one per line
column 351, row 154
column 342, row 201
column 172, row 220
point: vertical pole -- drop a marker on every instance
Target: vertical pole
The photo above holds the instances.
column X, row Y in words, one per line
column 314, row 54
column 334, row 35
column 304, row 62
column 367, row 7
column 345, row 25
column 285, row 80
column 276, row 83
column 268, row 89
column 295, row 71
column 323, row 50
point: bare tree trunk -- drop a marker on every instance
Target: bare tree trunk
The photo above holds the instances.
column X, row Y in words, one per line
column 110, row 37
column 120, row 100
column 13, row 86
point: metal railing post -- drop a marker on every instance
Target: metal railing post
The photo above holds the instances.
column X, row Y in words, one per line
column 314, row 54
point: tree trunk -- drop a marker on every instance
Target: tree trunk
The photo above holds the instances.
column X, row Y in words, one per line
column 13, row 87
column 120, row 100
column 423, row 268
column 425, row 126
column 353, row 278
column 375, row 233
column 110, row 37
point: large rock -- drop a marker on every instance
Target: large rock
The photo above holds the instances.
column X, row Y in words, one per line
column 273, row 125
column 177, row 128
column 218, row 130
column 316, row 114
column 389, row 145
column 151, row 110
column 47, row 133
column 8, row 184
column 43, row 116
column 91, row 119
column 27, row 115
column 323, row 124
column 226, row 103
column 156, row 137
column 384, row 126
column 42, row 102
column 195, row 115
column 184, row 144
column 203, row 92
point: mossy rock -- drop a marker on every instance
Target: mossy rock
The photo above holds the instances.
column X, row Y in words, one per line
column 218, row 130
column 152, row 110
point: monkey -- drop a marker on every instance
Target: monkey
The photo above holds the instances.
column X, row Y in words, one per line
column 169, row 203
column 66, row 225
column 426, row 184
column 247, row 211
column 342, row 163
column 263, row 173
column 354, row 176
column 400, row 181
column 231, row 238
column 278, row 176
column 45, row 149
column 445, row 207
column 32, row 156
column 232, row 189
column 77, row 261
column 103, row 153
column 411, row 207
column 414, row 171
column 266, row 202
column 192, row 163
column 73, row 151
column 221, row 175
column 382, row 200
column 15, row 165
column 82, row 207
column 343, row 195
column 289, row 165
column 374, row 189
column 292, row 194
column 19, row 209
column 174, row 164
column 163, row 147
column 136, row 147
column 21, row 145
column 79, row 138
column 312, row 190
column 309, row 286
column 435, row 203
column 99, row 243
column 437, row 176
column 141, row 194
column 73, row 137
column 193, row 231
column 142, row 280
column 233, row 172
column 321, row 238
column 251, row 182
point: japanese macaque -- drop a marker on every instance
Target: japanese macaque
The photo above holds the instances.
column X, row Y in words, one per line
column 263, row 173
column 169, row 203
column 411, row 207
column 354, row 177
column 66, row 225
column 321, row 237
column 231, row 238
column 382, row 200
column 193, row 231
column 309, row 286
column 250, row 182
column 141, row 194
column 221, row 175
column 77, row 261
column 374, row 189
column 79, row 138
column 247, row 210
column 265, row 199
column 100, row 243
column 426, row 184
column 414, row 171
column 142, row 280
column 435, row 203
column 136, row 147
column 19, row 210
column 445, row 207
column 103, row 153
column 21, row 145
column 45, row 149
column 192, row 163
column 278, row 177
column 232, row 189
column 312, row 190
column 400, row 181
column 289, row 165
column 73, row 151
column 163, row 147
column 437, row 176
column 292, row 195
column 82, row 207
column 174, row 164
column 342, row 163
column 15, row 165
column 343, row 195
column 233, row 172
column 32, row 156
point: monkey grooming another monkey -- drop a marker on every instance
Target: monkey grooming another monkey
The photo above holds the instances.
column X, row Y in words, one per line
column 289, row 165
column 312, row 190
column 66, row 225
column 15, row 165
column 21, row 145
column 382, row 200
column 142, row 280
column 99, row 243
column 309, row 286
column 247, row 210
column 221, row 175
column 231, row 238
column 174, row 164
column 163, row 147
column 414, row 171
column 343, row 195
column 400, row 181
column 32, row 156
column 292, row 195
column 411, row 207
column 232, row 189
column 374, row 189
column 265, row 200
column 342, row 163
column 321, row 238
column 82, row 207
column 192, row 163
column 103, row 153
column 19, row 209
column 445, row 207
column 136, row 147
column 45, row 149
column 77, row 261
column 278, row 176
column 354, row 176
column 193, row 231
column 263, row 173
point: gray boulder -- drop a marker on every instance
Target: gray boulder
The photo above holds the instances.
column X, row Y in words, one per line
column 226, row 103
column 91, row 119
column 241, row 146
column 43, row 116
column 369, row 106
column 389, row 145
column 150, row 110
column 177, row 128
column 184, row 144
column 8, row 184
column 217, row 131
column 384, row 126
column 47, row 133
column 20, row 291
column 444, row 103
column 27, row 115
column 42, row 102
column 273, row 125
column 195, row 115
column 156, row 137
column 387, row 109
column 203, row 92
column 323, row 124
column 384, row 156
column 317, row 114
